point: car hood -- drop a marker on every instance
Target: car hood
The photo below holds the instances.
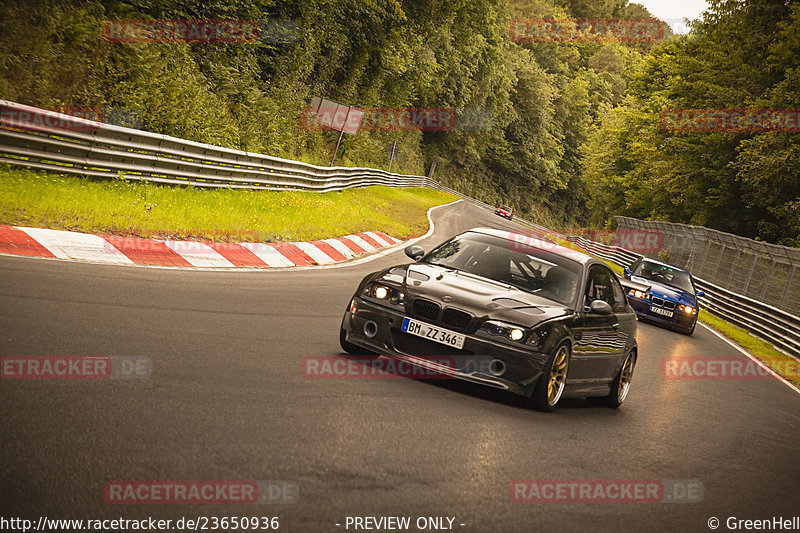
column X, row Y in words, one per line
column 667, row 292
column 482, row 297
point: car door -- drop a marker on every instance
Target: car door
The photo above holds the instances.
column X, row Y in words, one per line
column 599, row 340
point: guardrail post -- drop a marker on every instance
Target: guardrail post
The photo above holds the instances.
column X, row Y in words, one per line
column 786, row 287
column 766, row 281
column 733, row 267
column 690, row 236
column 750, row 275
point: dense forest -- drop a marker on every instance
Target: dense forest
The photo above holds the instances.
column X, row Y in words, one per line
column 566, row 132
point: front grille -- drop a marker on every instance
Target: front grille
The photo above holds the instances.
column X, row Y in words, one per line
column 426, row 309
column 456, row 318
column 661, row 302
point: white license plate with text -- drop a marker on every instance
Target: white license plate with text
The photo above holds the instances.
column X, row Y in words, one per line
column 659, row 311
column 433, row 333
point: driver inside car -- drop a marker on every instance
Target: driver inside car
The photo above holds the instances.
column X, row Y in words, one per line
column 558, row 285
column 493, row 265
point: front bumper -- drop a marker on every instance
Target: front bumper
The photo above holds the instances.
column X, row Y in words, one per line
column 679, row 320
column 522, row 366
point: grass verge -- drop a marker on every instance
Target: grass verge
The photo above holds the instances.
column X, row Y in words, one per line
column 777, row 361
column 142, row 209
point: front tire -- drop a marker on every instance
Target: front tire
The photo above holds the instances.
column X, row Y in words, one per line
column 622, row 383
column 553, row 380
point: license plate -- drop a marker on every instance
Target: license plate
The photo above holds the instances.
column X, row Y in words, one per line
column 659, row 311
column 433, row 333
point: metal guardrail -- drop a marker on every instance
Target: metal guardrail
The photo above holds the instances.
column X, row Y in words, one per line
column 761, row 271
column 54, row 141
column 773, row 325
column 44, row 139
column 63, row 143
column 534, row 226
column 619, row 256
column 49, row 140
column 767, row 322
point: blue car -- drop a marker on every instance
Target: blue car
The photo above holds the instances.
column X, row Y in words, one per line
column 672, row 298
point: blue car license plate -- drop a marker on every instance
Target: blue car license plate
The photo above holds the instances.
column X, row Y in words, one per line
column 659, row 311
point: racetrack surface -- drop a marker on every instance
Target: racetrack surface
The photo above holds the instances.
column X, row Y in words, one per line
column 227, row 401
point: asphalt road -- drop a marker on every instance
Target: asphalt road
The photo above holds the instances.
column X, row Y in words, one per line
column 227, row 401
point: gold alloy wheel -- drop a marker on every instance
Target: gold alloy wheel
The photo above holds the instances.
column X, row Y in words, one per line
column 625, row 378
column 558, row 376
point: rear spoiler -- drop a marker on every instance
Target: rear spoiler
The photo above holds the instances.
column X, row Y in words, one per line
column 629, row 285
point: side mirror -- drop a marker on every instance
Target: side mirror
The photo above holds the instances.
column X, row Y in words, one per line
column 600, row 307
column 415, row 252
column 627, row 273
column 700, row 294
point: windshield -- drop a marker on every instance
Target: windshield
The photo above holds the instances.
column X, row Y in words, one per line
column 525, row 267
column 665, row 275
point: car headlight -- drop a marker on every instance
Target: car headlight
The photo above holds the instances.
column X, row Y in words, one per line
column 636, row 294
column 385, row 293
column 536, row 338
column 509, row 331
column 687, row 309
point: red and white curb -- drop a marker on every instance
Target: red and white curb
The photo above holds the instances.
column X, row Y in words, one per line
column 111, row 249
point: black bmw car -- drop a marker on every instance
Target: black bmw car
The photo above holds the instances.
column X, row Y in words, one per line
column 503, row 310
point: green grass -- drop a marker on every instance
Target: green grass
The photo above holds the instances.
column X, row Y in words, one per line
column 141, row 209
column 777, row 361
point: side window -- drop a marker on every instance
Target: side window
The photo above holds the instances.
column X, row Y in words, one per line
column 589, row 293
column 601, row 286
column 635, row 265
column 620, row 301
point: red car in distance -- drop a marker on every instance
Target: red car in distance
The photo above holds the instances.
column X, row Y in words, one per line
column 504, row 211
